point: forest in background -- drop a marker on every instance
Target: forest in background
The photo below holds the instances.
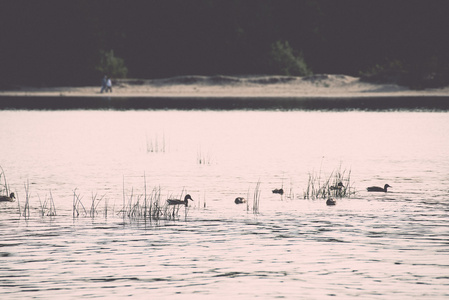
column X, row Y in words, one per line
column 54, row 42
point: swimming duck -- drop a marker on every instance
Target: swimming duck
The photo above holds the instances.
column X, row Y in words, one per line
column 11, row 198
column 278, row 191
column 331, row 201
column 240, row 200
column 339, row 186
column 178, row 202
column 378, row 188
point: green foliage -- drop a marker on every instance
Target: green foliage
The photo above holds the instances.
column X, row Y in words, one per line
column 389, row 72
column 424, row 73
column 286, row 61
column 111, row 65
column 173, row 37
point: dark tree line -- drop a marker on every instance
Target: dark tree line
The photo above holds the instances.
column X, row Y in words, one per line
column 54, row 42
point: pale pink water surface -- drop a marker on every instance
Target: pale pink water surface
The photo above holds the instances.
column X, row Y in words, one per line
column 376, row 246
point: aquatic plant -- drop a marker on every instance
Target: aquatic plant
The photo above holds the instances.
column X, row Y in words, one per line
column 256, row 198
column 337, row 184
column 156, row 146
column 4, row 186
column 26, row 209
column 290, row 194
column 79, row 208
column 52, row 207
column 47, row 208
column 77, row 205
column 203, row 158
column 94, row 204
column 148, row 206
column 155, row 209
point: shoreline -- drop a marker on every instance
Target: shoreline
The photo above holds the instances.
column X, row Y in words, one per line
column 246, row 87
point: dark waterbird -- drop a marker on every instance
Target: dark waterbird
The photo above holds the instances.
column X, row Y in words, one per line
column 240, row 200
column 339, row 186
column 331, row 201
column 378, row 188
column 178, row 202
column 11, row 198
column 278, row 191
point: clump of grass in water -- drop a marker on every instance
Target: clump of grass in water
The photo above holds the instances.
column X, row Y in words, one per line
column 94, row 204
column 202, row 158
column 137, row 209
column 47, row 208
column 79, row 208
column 337, row 184
column 78, row 205
column 154, row 146
column 135, row 206
column 154, row 209
column 150, row 208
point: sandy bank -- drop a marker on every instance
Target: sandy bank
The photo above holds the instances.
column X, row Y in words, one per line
column 316, row 86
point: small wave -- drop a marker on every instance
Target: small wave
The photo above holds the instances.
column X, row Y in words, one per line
column 257, row 274
column 232, row 274
column 112, row 279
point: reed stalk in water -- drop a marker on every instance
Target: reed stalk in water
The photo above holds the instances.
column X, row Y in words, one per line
column 77, row 205
column 202, row 159
column 93, row 211
column 154, row 146
column 42, row 206
column 291, row 193
column 47, row 208
column 256, row 198
column 145, row 195
column 26, row 209
column 52, row 211
column 5, row 184
column 155, row 210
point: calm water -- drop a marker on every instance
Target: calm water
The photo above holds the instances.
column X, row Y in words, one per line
column 375, row 246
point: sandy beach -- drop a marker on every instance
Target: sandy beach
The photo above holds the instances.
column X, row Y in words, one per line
column 316, row 86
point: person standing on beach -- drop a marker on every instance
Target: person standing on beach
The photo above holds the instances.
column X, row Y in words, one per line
column 109, row 85
column 103, row 84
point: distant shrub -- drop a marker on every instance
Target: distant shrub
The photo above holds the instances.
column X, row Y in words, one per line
column 286, row 61
column 426, row 73
column 389, row 72
column 111, row 65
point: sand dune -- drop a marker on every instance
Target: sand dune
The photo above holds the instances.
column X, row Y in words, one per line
column 316, row 86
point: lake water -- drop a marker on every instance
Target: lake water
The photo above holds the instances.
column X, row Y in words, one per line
column 392, row 245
